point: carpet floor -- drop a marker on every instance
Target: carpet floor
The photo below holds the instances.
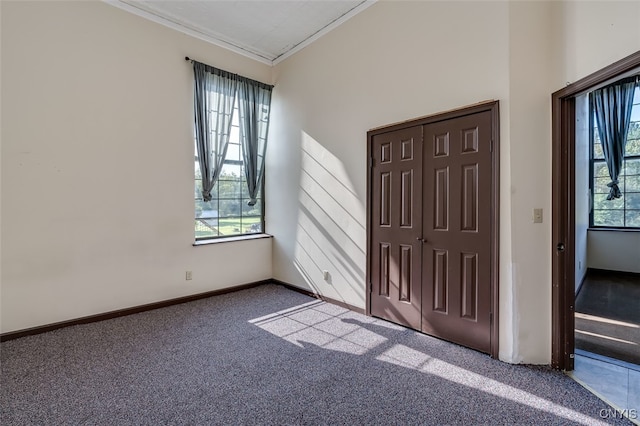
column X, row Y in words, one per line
column 272, row 356
column 607, row 318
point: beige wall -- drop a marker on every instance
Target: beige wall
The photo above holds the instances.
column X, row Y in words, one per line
column 79, row 238
column 589, row 35
column 97, row 165
column 399, row 60
column 614, row 251
column 583, row 191
column 392, row 62
column 529, row 54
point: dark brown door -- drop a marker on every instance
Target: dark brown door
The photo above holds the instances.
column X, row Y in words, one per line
column 457, row 217
column 396, row 221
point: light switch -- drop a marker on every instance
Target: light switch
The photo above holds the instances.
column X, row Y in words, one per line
column 537, row 215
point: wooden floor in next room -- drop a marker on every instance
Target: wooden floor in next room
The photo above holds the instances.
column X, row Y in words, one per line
column 608, row 315
column 607, row 333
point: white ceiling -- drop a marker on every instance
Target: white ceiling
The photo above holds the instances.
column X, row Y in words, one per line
column 265, row 30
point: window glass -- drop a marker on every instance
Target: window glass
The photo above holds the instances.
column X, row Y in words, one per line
column 623, row 212
column 228, row 213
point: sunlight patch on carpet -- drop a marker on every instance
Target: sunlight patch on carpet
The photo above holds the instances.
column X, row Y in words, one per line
column 307, row 326
column 310, row 324
column 410, row 358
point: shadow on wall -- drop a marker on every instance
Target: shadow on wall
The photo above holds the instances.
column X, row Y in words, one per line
column 330, row 235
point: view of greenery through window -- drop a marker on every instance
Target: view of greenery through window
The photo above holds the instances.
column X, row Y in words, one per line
column 228, row 213
column 624, row 211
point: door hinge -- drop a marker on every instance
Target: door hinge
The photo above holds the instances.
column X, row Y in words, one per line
column 371, row 161
column 490, row 317
column 491, row 145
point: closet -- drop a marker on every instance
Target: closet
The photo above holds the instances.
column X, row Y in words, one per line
column 433, row 225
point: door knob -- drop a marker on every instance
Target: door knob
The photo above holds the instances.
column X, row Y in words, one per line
column 560, row 247
column 421, row 239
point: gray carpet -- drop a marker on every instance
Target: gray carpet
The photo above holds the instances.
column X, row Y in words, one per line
column 269, row 355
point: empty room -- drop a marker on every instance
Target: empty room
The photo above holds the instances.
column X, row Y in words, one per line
column 314, row 212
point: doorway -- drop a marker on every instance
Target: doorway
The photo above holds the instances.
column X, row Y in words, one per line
column 563, row 209
column 432, row 245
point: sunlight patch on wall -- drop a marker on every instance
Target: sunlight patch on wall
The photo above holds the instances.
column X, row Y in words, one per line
column 330, row 234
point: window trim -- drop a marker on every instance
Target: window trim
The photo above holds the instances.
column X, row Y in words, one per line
column 612, row 229
column 233, row 237
column 201, row 240
column 592, row 162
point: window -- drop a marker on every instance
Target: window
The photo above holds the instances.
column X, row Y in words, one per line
column 622, row 212
column 231, row 123
column 228, row 212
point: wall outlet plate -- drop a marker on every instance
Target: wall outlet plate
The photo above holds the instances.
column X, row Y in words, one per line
column 537, row 215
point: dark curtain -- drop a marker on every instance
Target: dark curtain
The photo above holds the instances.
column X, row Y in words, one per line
column 215, row 95
column 612, row 111
column 254, row 103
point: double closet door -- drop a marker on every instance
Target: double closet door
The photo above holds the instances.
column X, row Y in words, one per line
column 431, row 228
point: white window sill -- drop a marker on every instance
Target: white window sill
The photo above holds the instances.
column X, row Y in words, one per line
column 231, row 239
column 604, row 229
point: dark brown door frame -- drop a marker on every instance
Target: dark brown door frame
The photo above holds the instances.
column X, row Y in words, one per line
column 493, row 107
column 563, row 117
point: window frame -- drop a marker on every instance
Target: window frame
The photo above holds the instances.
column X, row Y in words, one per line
column 241, row 200
column 592, row 165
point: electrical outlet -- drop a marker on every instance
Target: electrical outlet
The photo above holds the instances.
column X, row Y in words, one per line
column 325, row 275
column 188, row 276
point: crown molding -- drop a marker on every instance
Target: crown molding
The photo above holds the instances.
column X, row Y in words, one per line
column 333, row 25
column 188, row 30
column 263, row 57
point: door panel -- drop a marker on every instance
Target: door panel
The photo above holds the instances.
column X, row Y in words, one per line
column 457, row 230
column 440, row 281
column 396, row 221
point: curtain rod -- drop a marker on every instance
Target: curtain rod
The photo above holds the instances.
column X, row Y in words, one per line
column 186, row 58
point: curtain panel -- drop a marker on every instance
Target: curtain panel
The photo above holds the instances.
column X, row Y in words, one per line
column 612, row 112
column 215, row 94
column 254, row 104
